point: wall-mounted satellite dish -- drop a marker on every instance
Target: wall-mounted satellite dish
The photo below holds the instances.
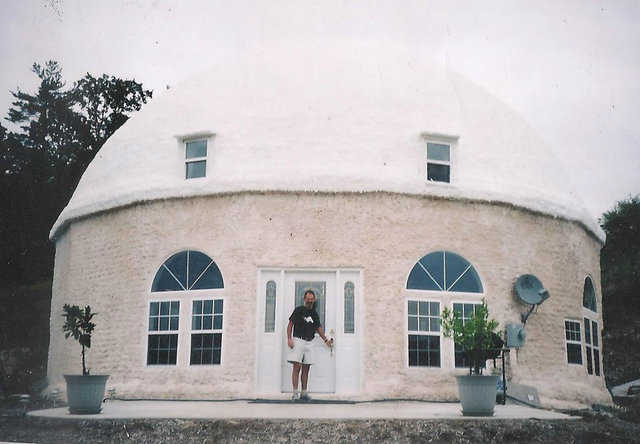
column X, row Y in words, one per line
column 530, row 291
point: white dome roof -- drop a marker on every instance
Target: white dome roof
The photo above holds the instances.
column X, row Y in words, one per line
column 348, row 117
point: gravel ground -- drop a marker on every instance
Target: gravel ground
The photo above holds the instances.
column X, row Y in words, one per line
column 593, row 428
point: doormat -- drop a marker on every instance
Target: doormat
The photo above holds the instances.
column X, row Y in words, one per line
column 311, row 401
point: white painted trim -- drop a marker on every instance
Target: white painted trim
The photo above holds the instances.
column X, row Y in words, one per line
column 344, row 313
column 567, row 341
column 592, row 347
column 256, row 347
column 190, row 331
column 440, row 139
column 197, row 135
column 309, row 269
column 188, row 160
column 359, row 319
column 341, row 275
column 424, row 298
column 180, row 250
column 162, row 332
column 439, row 248
column 595, row 295
column 184, row 324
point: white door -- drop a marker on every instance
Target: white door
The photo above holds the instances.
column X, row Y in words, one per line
column 322, row 376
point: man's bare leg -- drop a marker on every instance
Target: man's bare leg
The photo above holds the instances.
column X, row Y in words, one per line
column 305, row 376
column 294, row 377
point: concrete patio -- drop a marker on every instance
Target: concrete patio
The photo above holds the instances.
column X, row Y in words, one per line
column 256, row 409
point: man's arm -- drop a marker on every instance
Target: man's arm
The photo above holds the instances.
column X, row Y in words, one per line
column 324, row 338
column 289, row 333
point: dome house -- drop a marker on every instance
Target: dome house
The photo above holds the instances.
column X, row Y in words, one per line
column 388, row 184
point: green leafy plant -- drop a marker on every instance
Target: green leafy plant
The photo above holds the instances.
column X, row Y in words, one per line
column 78, row 324
column 477, row 336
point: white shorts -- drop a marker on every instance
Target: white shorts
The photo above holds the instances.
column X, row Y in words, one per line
column 301, row 352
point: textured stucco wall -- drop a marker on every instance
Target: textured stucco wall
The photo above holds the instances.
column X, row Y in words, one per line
column 109, row 260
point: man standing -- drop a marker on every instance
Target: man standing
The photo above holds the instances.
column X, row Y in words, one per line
column 304, row 322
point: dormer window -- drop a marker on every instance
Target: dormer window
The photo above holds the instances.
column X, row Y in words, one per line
column 196, row 158
column 438, row 162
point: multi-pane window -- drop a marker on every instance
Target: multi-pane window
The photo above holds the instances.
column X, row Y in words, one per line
column 183, row 276
column 573, row 341
column 270, row 308
column 349, row 307
column 206, row 331
column 195, row 158
column 438, row 162
column 162, row 346
column 423, row 325
column 465, row 310
column 592, row 346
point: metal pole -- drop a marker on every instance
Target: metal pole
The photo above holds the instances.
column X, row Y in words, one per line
column 504, row 379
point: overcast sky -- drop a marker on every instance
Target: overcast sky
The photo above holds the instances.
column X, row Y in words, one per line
column 571, row 68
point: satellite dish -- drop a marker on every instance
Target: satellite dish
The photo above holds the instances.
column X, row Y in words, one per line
column 530, row 291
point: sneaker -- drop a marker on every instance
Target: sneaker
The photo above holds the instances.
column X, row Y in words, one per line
column 295, row 396
column 305, row 397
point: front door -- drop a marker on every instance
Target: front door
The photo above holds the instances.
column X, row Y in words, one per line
column 322, row 376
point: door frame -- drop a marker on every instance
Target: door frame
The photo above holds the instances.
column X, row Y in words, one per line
column 268, row 371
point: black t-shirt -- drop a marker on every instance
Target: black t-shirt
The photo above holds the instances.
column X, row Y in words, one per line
column 305, row 322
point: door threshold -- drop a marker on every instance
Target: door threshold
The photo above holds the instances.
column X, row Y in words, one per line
column 299, row 401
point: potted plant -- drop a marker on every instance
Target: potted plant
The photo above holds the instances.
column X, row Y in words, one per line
column 480, row 341
column 84, row 392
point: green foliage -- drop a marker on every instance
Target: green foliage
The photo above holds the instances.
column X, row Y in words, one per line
column 77, row 323
column 620, row 256
column 477, row 336
column 57, row 132
column 620, row 265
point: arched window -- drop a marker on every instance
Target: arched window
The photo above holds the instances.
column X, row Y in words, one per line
column 444, row 271
column 186, row 271
column 589, row 295
column 440, row 271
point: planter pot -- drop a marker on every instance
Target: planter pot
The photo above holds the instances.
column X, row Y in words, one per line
column 85, row 393
column 477, row 394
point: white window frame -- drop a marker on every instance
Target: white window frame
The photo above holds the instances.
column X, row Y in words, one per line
column 275, row 308
column 440, row 139
column 191, row 331
column 188, row 160
column 595, row 295
column 344, row 314
column 184, row 324
column 171, row 298
column 592, row 317
column 592, row 346
column 427, row 299
column 453, row 344
column 568, row 341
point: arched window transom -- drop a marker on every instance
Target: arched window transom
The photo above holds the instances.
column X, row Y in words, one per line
column 187, row 270
column 444, row 271
column 589, row 295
